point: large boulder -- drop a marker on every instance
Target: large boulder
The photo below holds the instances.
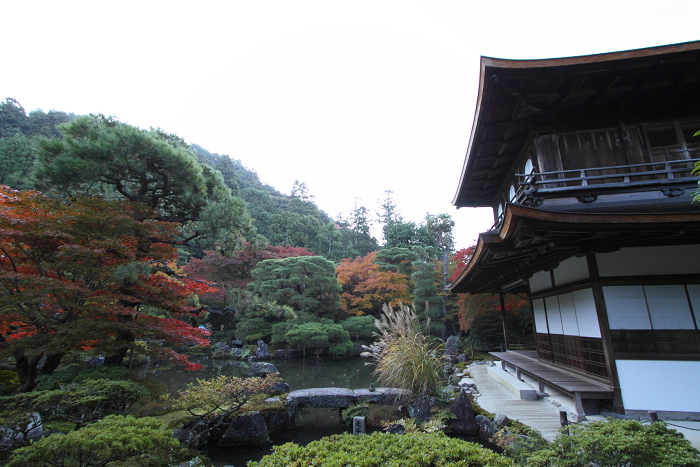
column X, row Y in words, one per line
column 280, row 388
column 276, row 422
column 221, row 351
column 501, row 420
column 464, row 422
column 184, row 436
column 487, row 429
column 262, row 351
column 422, row 408
column 246, row 429
column 262, row 369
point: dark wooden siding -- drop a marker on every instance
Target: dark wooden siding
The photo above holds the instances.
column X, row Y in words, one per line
column 582, row 354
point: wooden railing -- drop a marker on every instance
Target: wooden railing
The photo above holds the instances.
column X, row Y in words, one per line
column 619, row 176
column 597, row 180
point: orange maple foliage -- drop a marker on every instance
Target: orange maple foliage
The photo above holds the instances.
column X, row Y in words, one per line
column 366, row 287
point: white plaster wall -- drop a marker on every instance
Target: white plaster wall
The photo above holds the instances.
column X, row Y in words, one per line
column 572, row 270
column 660, row 385
column 568, row 314
column 627, row 307
column 553, row 315
column 586, row 314
column 540, row 281
column 694, row 294
column 668, row 307
column 645, row 261
column 540, row 316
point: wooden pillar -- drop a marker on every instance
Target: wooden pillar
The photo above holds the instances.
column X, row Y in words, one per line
column 602, row 312
column 503, row 318
column 578, row 402
column 563, row 418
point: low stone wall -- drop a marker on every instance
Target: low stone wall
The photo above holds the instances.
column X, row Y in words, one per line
column 323, row 406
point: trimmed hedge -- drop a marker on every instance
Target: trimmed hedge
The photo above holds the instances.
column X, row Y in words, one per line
column 384, row 449
column 617, row 442
column 133, row 441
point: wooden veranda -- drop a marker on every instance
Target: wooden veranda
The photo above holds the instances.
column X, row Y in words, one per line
column 577, row 386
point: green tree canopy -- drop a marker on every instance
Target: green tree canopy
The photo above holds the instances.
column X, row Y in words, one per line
column 396, row 259
column 16, row 159
column 100, row 155
column 428, row 303
column 306, row 283
column 13, row 118
column 323, row 335
column 114, row 440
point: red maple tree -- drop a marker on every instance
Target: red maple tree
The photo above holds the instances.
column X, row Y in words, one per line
column 88, row 274
column 459, row 261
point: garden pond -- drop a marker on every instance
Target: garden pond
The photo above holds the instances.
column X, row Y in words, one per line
column 299, row 374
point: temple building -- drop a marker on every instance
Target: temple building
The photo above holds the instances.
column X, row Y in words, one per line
column 586, row 162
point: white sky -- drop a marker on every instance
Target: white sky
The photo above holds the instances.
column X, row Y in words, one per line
column 350, row 97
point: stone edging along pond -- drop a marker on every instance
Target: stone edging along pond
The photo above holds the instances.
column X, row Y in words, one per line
column 315, row 407
column 321, row 407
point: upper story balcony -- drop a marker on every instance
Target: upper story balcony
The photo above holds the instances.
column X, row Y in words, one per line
column 648, row 187
column 672, row 177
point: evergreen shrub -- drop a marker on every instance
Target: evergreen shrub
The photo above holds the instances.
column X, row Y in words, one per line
column 617, row 443
column 76, row 373
column 114, row 440
column 384, row 449
column 9, row 380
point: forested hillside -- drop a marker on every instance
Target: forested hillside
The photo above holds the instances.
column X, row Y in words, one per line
column 293, row 219
column 19, row 133
column 281, row 269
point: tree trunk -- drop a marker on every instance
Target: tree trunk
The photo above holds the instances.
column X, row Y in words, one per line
column 27, row 370
column 125, row 336
column 51, row 363
column 116, row 358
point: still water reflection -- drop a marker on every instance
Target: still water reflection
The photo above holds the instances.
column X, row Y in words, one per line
column 299, row 374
